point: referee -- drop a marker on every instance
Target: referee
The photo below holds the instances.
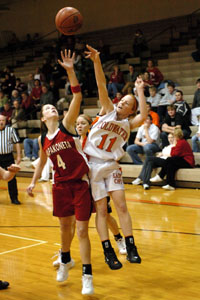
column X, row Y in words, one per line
column 8, row 136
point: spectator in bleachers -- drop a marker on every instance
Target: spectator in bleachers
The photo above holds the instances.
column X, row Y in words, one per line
column 31, row 149
column 27, row 104
column 20, row 86
column 196, row 100
column 104, row 51
column 18, row 118
column 3, row 100
column 153, row 114
column 46, row 96
column 172, row 121
column 39, row 75
column 155, row 75
column 196, row 141
column 147, row 83
column 139, row 43
column 30, row 83
column 196, row 54
column 182, row 107
column 117, row 98
column 130, row 80
column 146, row 141
column 7, row 85
column 55, row 91
column 154, row 98
column 152, row 162
column 116, row 82
column 166, row 100
column 181, row 157
column 7, row 112
column 15, row 95
column 47, row 70
column 36, row 92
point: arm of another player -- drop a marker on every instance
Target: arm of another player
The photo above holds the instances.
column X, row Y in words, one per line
column 141, row 117
column 74, row 109
column 10, row 173
column 106, row 102
column 38, row 169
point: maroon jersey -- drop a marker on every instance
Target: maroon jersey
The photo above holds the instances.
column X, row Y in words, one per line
column 64, row 150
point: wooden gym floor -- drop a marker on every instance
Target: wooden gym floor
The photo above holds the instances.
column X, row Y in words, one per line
column 166, row 226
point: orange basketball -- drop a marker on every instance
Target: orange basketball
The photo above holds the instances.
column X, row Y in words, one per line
column 68, row 20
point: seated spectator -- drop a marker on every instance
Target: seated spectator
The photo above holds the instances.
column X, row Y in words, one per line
column 36, row 92
column 147, row 83
column 130, row 80
column 7, row 85
column 27, row 103
column 182, row 107
column 3, row 100
column 172, row 121
column 18, row 118
column 154, row 98
column 117, row 98
column 104, row 51
column 166, row 100
column 196, row 100
column 31, row 148
column 196, row 141
column 155, row 75
column 139, row 43
column 116, row 82
column 46, row 96
column 146, row 141
column 152, row 162
column 196, row 54
column 153, row 114
column 30, row 83
column 55, row 91
column 39, row 75
column 15, row 96
column 20, row 86
column 7, row 112
column 181, row 157
column 47, row 70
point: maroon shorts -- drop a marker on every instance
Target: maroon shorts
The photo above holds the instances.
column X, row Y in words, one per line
column 72, row 198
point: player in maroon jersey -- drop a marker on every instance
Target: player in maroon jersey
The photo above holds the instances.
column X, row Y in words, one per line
column 71, row 195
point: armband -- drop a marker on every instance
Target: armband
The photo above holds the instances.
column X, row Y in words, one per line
column 76, row 89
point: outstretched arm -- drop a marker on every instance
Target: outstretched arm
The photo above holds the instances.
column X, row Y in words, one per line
column 74, row 109
column 139, row 119
column 106, row 103
column 10, row 173
column 38, row 169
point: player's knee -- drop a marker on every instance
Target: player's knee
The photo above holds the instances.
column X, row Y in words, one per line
column 82, row 232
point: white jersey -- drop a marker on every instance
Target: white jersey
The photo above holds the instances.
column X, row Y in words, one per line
column 107, row 137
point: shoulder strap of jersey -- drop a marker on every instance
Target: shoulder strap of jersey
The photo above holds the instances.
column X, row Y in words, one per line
column 63, row 129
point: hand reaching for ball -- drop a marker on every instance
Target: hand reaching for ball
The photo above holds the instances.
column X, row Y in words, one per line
column 93, row 54
column 67, row 60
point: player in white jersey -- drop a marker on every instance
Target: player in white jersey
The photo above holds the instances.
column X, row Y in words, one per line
column 104, row 146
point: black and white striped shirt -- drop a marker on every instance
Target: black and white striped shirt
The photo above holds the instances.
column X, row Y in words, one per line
column 8, row 136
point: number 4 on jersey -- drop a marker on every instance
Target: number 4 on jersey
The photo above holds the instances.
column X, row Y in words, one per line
column 60, row 162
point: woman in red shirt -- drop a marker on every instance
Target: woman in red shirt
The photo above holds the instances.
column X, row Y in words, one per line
column 181, row 157
column 155, row 75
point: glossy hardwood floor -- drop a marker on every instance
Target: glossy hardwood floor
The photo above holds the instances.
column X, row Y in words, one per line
column 166, row 226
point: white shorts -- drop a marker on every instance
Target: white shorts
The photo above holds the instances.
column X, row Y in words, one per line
column 105, row 177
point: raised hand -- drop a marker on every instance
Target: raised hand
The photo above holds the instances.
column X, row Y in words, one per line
column 93, row 54
column 67, row 60
column 139, row 83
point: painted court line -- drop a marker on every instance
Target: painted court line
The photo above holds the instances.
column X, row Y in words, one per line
column 39, row 242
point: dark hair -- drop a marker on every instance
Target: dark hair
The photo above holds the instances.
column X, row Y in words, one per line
column 150, row 117
column 86, row 118
column 179, row 91
column 171, row 84
column 43, row 127
column 149, row 103
column 198, row 80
